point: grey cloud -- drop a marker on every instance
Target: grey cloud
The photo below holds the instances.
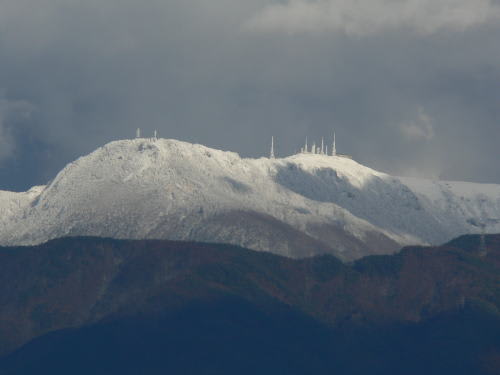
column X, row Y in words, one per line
column 13, row 113
column 373, row 16
column 97, row 70
column 420, row 128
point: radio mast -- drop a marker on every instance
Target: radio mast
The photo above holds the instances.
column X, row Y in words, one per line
column 271, row 154
column 334, row 146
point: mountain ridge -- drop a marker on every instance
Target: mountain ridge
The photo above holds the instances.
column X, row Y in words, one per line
column 168, row 189
column 73, row 299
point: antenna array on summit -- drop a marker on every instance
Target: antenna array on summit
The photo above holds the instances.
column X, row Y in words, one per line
column 138, row 134
column 315, row 150
column 323, row 150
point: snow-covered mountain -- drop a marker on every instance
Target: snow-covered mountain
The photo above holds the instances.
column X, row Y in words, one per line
column 297, row 206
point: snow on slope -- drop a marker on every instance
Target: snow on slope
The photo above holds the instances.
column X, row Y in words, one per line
column 431, row 211
column 170, row 189
column 13, row 205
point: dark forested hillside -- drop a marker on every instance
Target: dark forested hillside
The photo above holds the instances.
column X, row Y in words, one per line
column 102, row 306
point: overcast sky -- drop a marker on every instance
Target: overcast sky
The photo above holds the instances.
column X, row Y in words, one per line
column 412, row 87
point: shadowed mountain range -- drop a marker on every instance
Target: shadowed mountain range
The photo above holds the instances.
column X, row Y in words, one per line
column 103, row 306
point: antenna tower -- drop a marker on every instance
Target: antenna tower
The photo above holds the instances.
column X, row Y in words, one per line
column 334, row 146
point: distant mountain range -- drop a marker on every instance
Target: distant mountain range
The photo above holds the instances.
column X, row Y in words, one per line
column 297, row 206
column 102, row 306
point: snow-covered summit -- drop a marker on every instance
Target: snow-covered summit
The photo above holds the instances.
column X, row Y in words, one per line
column 300, row 205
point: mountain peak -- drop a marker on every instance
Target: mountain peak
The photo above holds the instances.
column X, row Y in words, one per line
column 297, row 206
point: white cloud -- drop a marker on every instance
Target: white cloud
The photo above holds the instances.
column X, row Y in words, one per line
column 420, row 129
column 365, row 17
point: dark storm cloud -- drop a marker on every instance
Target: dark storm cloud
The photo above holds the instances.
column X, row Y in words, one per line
column 412, row 87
